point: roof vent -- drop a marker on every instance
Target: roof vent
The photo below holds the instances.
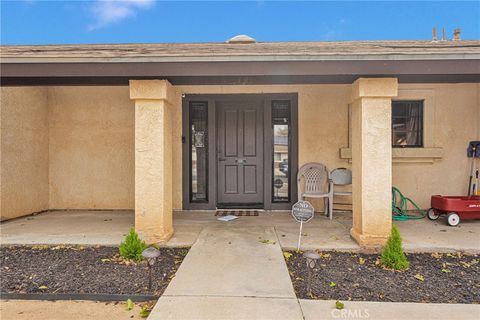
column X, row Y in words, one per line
column 456, row 34
column 241, row 38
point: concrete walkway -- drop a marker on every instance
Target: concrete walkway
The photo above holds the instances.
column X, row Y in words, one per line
column 234, row 273
column 82, row 227
column 231, row 273
column 86, row 227
column 325, row 309
column 320, row 233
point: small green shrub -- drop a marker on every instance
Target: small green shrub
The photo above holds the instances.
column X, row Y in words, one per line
column 132, row 247
column 393, row 256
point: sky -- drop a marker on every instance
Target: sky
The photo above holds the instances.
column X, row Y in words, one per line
column 147, row 21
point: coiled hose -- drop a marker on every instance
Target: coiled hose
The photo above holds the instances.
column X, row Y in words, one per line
column 401, row 210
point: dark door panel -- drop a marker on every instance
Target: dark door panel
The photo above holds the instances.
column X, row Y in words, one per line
column 240, row 152
column 232, row 124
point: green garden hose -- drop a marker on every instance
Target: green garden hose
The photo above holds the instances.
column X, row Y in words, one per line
column 401, row 210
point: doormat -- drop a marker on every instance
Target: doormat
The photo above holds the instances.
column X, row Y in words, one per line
column 238, row 213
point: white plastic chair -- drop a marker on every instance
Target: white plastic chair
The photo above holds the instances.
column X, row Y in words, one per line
column 316, row 181
column 341, row 177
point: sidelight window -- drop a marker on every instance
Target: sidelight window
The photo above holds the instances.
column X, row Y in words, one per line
column 281, row 122
column 199, row 151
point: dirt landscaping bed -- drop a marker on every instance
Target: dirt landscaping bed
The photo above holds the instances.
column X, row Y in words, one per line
column 436, row 278
column 83, row 270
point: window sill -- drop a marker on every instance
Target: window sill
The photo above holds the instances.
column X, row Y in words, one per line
column 411, row 155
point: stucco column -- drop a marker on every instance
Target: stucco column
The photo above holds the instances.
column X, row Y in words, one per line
column 153, row 158
column 371, row 106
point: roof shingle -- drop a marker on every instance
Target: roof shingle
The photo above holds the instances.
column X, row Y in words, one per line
column 346, row 48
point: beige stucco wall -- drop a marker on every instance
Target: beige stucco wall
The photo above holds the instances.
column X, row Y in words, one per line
column 456, row 122
column 91, row 148
column 91, row 142
column 66, row 148
column 323, row 130
column 322, row 116
column 24, row 151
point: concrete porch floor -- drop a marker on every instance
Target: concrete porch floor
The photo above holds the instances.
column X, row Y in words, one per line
column 109, row 227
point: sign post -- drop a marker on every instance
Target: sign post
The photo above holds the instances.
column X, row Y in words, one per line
column 302, row 212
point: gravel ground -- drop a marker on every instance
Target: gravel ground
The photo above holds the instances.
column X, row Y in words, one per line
column 436, row 278
column 78, row 269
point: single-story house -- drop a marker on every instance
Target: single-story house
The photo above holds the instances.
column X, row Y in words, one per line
column 198, row 126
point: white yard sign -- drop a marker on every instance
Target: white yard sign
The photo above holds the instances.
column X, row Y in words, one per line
column 302, row 212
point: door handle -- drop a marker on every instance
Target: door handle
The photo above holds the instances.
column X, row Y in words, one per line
column 240, row 160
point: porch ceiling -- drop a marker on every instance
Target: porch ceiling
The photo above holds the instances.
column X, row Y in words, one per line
column 240, row 73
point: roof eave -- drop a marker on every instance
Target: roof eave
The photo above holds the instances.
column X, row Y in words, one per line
column 243, row 58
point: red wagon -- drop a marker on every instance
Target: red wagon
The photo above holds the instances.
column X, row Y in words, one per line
column 455, row 207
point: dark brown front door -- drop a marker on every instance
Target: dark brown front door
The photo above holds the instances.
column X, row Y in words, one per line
column 240, row 153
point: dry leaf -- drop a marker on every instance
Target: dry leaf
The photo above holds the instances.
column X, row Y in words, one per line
column 419, row 277
column 339, row 305
column 287, row 255
column 436, row 255
column 130, row 304
column 145, row 312
column 266, row 241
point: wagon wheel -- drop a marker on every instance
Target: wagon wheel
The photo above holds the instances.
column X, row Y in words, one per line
column 432, row 215
column 453, row 219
